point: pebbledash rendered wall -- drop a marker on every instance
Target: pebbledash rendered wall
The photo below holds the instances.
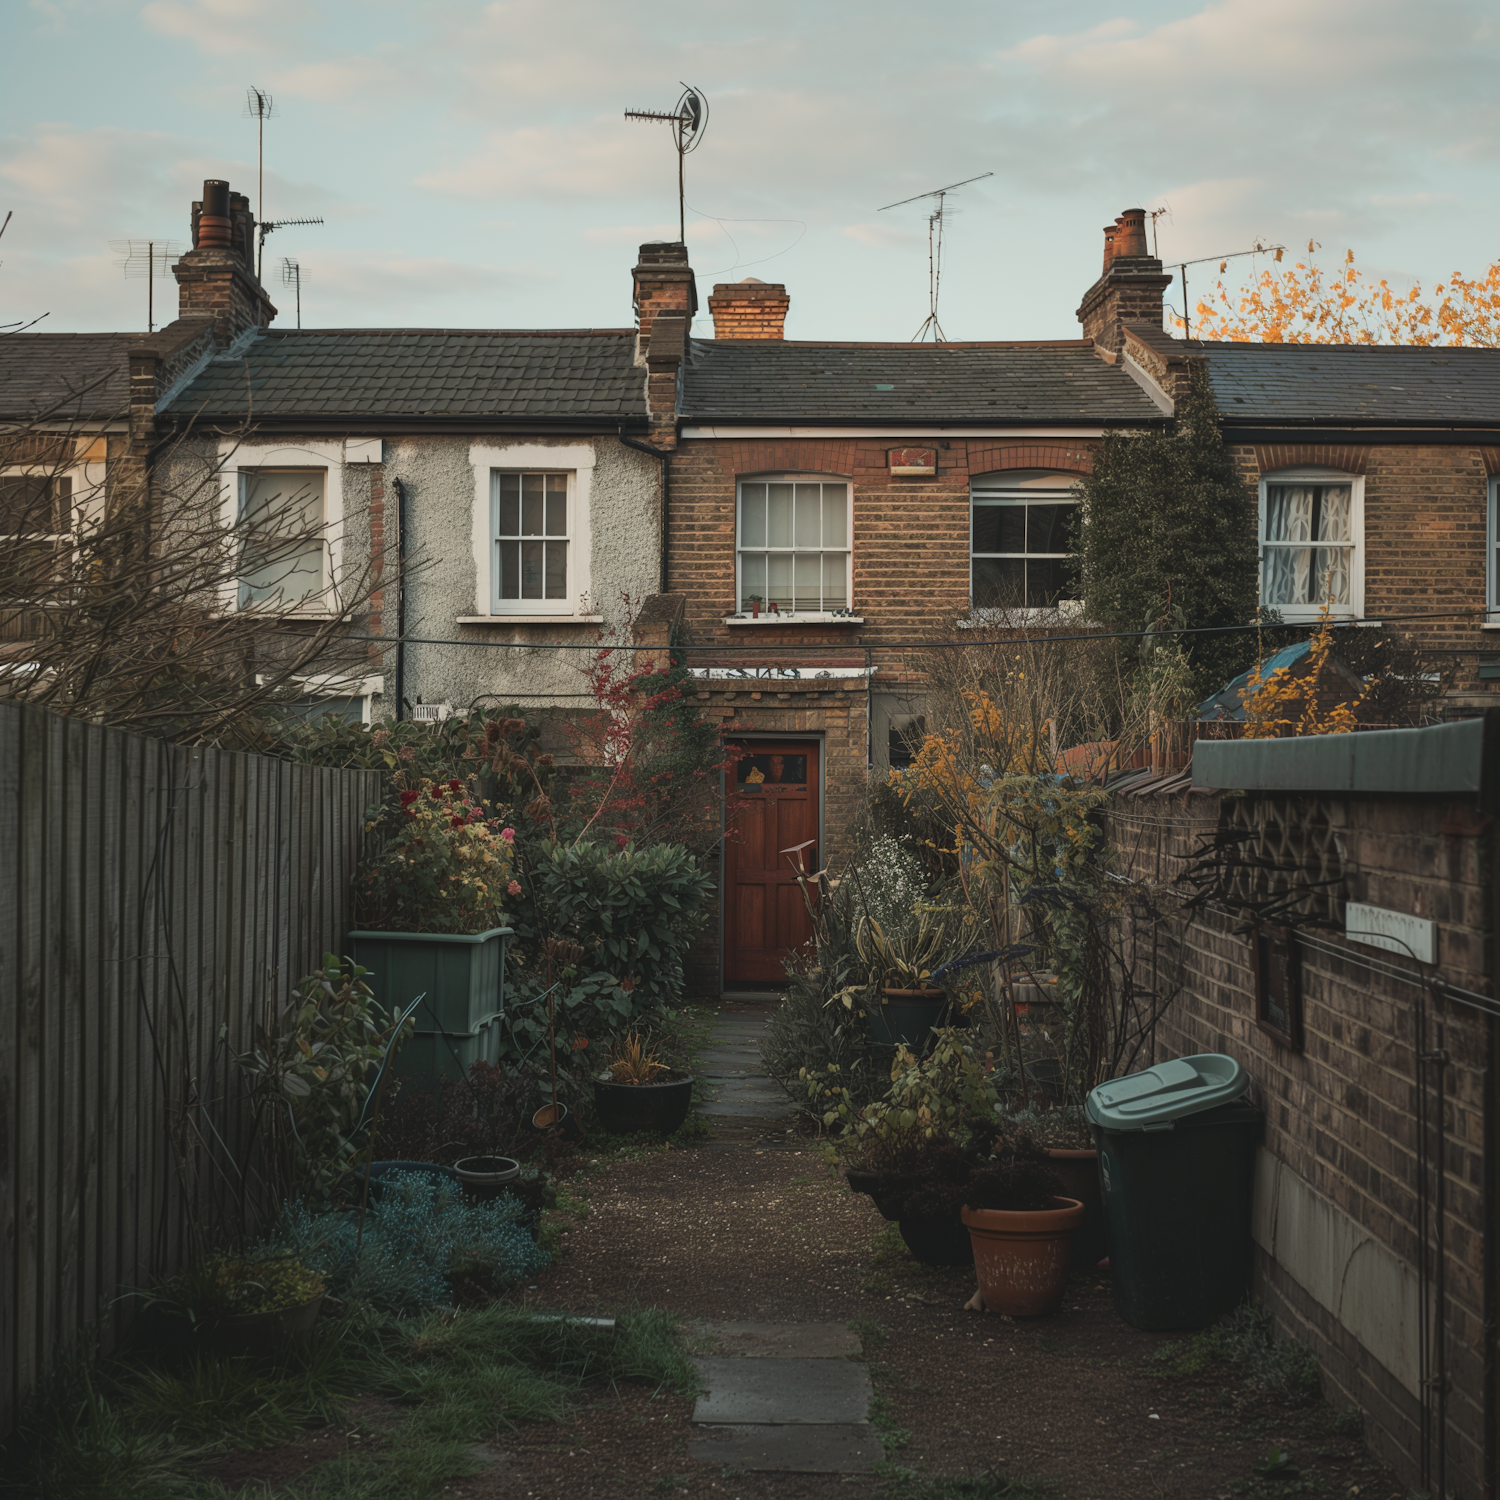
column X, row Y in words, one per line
column 1336, row 1213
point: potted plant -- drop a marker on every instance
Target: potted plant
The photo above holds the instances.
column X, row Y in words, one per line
column 754, row 601
column 1021, row 1228
column 261, row 1307
column 432, row 922
column 638, row 1092
column 903, row 1002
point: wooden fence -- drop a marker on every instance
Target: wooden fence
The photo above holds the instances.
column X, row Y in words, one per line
column 152, row 898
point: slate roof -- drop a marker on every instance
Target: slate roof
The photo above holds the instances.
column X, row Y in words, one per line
column 769, row 381
column 1354, row 384
column 410, row 374
column 64, row 376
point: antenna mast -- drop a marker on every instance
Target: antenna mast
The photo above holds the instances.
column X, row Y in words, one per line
column 291, row 275
column 688, row 121
column 149, row 259
column 935, row 222
column 259, row 107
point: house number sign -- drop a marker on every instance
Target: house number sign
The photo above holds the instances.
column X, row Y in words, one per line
column 912, row 460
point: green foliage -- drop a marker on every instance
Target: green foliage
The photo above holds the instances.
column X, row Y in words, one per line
column 310, row 1070
column 1243, row 1340
column 1168, row 523
column 227, row 1285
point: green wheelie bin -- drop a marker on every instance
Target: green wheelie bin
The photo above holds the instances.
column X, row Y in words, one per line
column 1177, row 1172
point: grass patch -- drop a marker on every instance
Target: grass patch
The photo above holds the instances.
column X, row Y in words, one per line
column 129, row 1428
column 898, row 1483
column 871, row 1332
column 1282, row 1368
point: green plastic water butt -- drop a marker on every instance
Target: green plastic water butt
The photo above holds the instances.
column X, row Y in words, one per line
column 1177, row 1149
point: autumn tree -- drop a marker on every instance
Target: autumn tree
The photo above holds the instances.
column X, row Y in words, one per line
column 1304, row 304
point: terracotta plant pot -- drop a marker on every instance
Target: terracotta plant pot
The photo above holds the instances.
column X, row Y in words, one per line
column 906, row 1016
column 1079, row 1171
column 1022, row 1259
column 633, row 1108
column 485, row 1178
column 937, row 1242
column 262, row 1335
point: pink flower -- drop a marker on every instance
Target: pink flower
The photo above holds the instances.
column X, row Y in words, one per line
column 621, row 840
column 508, row 834
column 455, row 786
column 514, row 888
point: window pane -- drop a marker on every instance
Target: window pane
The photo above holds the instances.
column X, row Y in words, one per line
column 752, row 576
column 835, row 580
column 1289, row 511
column 1330, row 579
column 1335, row 520
column 779, row 579
column 778, row 515
column 1046, row 581
column 531, row 505
column 510, row 568
column 286, row 503
column 531, row 564
column 999, row 583
column 510, row 504
column 752, row 515
column 809, row 580
column 1286, row 575
column 999, row 528
column 835, row 516
column 27, row 505
column 809, row 527
column 557, row 505
column 557, row 567
column 1049, row 528
column 280, row 572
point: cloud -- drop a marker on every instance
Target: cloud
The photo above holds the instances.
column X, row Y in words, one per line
column 884, row 236
column 226, row 27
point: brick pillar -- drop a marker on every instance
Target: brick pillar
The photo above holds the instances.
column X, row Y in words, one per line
column 654, row 629
column 1130, row 288
column 749, row 309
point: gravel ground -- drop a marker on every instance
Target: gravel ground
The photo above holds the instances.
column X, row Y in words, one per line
column 768, row 1234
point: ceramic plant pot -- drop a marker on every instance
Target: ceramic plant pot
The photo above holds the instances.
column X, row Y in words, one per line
column 642, row 1108
column 1022, row 1259
column 485, row 1178
column 906, row 1017
column 937, row 1242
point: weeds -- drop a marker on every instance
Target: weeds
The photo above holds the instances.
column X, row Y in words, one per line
column 898, row 1483
column 871, row 1333
column 1284, row 1368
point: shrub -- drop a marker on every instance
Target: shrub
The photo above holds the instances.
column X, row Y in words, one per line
column 417, row 1238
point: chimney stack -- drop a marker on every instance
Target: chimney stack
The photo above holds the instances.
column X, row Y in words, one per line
column 749, row 309
column 1129, row 290
column 666, row 297
column 216, row 278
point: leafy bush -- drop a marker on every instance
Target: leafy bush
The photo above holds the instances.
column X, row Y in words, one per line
column 443, row 864
column 310, row 1069
column 226, row 1285
column 417, row 1238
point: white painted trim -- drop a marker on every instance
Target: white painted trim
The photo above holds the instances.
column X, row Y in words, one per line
column 578, row 460
column 329, row 456
column 529, row 620
column 1147, row 382
column 1301, row 614
column 779, row 674
column 805, row 617
column 1024, row 433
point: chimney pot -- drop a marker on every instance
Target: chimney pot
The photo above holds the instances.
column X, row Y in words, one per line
column 1130, row 237
column 1129, row 290
column 1109, row 243
column 213, row 220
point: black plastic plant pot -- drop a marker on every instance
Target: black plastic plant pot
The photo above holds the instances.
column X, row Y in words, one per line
column 938, row 1242
column 642, row 1108
column 485, row 1178
column 861, row 1181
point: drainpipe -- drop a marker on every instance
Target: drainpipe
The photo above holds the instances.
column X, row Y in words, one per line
column 400, row 491
column 662, row 490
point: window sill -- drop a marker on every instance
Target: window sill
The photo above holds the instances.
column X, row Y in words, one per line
column 530, row 620
column 1490, row 625
column 805, row 617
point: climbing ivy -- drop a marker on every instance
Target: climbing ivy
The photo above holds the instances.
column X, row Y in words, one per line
column 1169, row 527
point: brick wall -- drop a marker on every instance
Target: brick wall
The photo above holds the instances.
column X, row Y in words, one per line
column 1340, row 1114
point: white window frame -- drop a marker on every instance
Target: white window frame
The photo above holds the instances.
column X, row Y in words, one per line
column 1020, row 486
column 1302, row 613
column 85, row 476
column 577, row 461
column 306, row 457
column 805, row 615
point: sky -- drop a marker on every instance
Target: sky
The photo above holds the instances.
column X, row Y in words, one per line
column 473, row 167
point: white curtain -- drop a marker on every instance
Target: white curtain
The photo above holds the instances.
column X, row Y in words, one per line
column 1302, row 574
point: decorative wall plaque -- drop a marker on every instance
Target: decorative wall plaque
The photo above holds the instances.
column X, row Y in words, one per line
column 1278, row 984
column 912, row 460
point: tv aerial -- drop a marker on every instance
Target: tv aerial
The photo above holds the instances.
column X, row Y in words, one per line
column 688, row 120
column 145, row 259
column 291, row 275
column 936, row 220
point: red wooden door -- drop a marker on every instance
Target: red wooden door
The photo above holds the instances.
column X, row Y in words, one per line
column 773, row 807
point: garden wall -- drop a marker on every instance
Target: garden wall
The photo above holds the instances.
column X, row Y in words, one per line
column 152, row 898
column 1338, row 1247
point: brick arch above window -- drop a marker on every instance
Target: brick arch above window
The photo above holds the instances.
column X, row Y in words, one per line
column 1059, row 457
column 805, row 456
column 1346, row 459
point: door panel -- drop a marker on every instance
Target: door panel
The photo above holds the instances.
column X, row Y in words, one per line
column 773, row 807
